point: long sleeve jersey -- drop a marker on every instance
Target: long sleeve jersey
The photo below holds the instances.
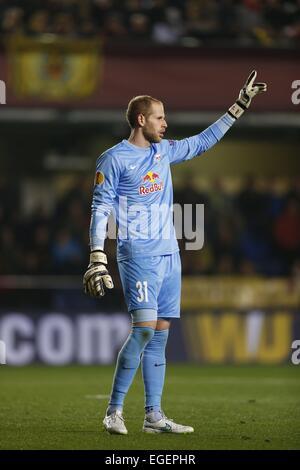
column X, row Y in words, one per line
column 135, row 184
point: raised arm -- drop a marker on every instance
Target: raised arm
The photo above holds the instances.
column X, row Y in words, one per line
column 186, row 149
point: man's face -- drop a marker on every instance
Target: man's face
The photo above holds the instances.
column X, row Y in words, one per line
column 155, row 124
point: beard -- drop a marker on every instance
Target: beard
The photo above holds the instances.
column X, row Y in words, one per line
column 151, row 136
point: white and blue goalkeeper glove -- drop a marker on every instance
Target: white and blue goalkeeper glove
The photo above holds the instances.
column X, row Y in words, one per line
column 97, row 278
column 249, row 90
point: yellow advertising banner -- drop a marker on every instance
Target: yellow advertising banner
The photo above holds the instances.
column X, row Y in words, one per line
column 240, row 320
column 232, row 337
column 52, row 68
column 240, row 293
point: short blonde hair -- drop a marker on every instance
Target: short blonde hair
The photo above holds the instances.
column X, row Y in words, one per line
column 139, row 105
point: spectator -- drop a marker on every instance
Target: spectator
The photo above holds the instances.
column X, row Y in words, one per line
column 38, row 23
column 237, row 22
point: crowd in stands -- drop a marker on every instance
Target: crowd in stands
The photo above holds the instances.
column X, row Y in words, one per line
column 252, row 230
column 185, row 22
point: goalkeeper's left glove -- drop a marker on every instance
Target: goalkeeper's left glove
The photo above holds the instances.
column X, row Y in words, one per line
column 97, row 278
column 249, row 90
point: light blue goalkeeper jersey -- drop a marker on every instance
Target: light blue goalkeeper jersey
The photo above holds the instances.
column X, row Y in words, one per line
column 135, row 184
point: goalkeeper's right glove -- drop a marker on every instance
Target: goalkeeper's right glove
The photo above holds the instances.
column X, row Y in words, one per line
column 97, row 277
column 249, row 90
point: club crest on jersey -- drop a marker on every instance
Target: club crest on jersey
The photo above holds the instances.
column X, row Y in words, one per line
column 157, row 157
column 155, row 185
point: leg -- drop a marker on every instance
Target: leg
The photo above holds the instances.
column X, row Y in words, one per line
column 127, row 365
column 128, row 362
column 154, row 368
column 154, row 361
column 142, row 304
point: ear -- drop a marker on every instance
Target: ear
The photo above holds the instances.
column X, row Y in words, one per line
column 141, row 120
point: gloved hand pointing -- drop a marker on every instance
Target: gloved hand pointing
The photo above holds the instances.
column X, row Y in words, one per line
column 249, row 91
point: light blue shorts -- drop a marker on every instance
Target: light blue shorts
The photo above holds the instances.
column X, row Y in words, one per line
column 152, row 286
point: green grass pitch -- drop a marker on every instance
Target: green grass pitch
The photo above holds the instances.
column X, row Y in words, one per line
column 230, row 407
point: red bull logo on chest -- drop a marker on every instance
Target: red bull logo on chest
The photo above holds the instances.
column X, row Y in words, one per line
column 155, row 186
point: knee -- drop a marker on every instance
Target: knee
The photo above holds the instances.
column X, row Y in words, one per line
column 158, row 342
column 146, row 333
column 161, row 336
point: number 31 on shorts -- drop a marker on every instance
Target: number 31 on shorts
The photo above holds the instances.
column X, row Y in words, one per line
column 142, row 288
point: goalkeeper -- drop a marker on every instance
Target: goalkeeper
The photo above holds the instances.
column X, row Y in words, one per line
column 136, row 173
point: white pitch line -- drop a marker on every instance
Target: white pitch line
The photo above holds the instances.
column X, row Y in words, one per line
column 97, row 397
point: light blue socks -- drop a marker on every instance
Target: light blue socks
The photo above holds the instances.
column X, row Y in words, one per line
column 154, row 368
column 152, row 343
column 127, row 364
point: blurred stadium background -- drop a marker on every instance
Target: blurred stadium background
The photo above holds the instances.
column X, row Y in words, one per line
column 70, row 68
